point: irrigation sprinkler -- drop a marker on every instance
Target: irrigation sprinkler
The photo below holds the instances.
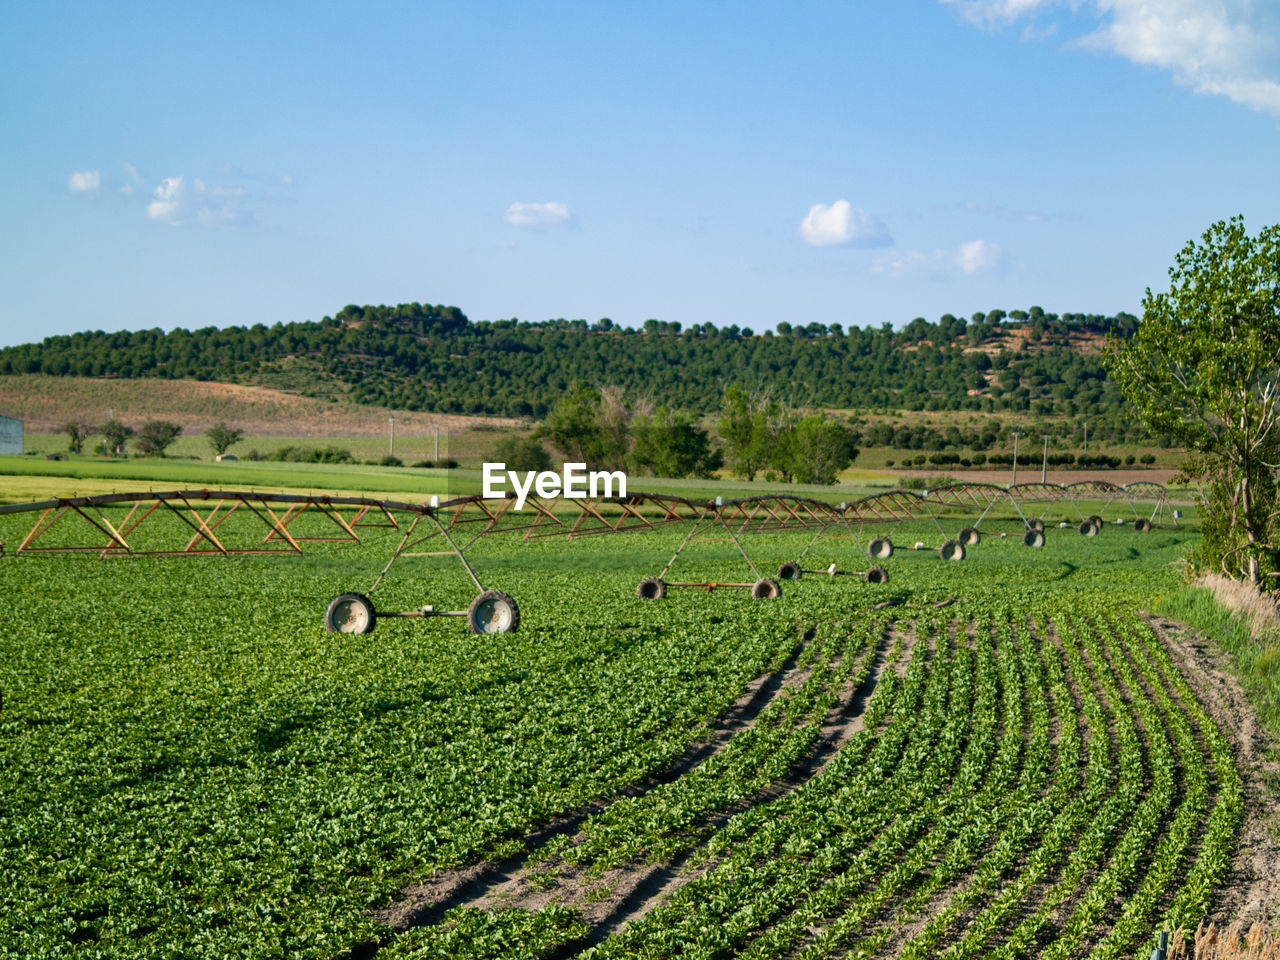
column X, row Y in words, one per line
column 898, row 507
column 492, row 611
column 791, row 570
column 713, row 515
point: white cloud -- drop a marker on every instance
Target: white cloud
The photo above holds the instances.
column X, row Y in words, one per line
column 166, row 207
column 84, row 181
column 970, row 259
column 205, row 203
column 977, row 256
column 549, row 214
column 986, row 13
column 1211, row 47
column 842, row 224
column 1221, row 47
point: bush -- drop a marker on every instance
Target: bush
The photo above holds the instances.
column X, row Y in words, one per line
column 1147, row 459
column 521, row 453
column 425, row 464
column 329, row 454
column 391, row 460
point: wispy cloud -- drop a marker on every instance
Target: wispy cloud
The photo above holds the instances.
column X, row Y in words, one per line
column 167, row 205
column 968, row 259
column 84, row 181
column 538, row 215
column 1228, row 48
column 842, row 224
column 207, row 204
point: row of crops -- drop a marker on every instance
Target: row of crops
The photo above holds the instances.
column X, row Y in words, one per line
column 193, row 767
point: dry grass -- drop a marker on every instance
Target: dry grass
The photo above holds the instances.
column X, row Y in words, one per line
column 46, row 403
column 1232, row 943
column 1246, row 601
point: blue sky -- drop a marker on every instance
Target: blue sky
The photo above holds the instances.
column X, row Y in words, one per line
column 744, row 163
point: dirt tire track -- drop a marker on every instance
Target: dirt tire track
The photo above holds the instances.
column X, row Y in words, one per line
column 1252, row 888
column 611, row 899
column 424, row 903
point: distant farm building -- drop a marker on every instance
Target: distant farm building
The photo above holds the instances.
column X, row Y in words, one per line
column 10, row 435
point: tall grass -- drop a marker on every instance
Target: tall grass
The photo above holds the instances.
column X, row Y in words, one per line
column 1231, row 943
column 1246, row 624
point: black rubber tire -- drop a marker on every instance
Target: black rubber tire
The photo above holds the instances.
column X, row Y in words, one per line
column 790, row 571
column 1142, row 525
column 350, row 613
column 1087, row 528
column 1033, row 538
column 1095, row 520
column 651, row 588
column 493, row 612
column 877, row 575
column 880, row 548
column 951, row 550
column 969, row 537
column 766, row 589
column 1036, row 524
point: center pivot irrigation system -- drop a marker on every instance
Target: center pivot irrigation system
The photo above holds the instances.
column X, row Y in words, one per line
column 190, row 523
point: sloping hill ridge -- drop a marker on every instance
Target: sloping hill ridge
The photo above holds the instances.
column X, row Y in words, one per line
column 45, row 403
column 424, row 357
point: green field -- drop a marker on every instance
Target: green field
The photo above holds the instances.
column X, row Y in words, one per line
column 193, row 767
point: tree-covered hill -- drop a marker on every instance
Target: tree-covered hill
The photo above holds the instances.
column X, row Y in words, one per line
column 423, row 357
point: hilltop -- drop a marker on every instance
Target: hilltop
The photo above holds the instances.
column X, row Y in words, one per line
column 420, row 357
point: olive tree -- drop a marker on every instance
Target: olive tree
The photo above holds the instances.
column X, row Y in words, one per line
column 1204, row 369
column 222, row 438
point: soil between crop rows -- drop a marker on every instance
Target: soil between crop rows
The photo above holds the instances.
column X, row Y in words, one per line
column 611, row 898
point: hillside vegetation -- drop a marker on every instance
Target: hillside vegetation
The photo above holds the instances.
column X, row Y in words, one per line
column 424, row 357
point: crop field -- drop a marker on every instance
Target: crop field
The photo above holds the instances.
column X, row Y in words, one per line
column 1001, row 757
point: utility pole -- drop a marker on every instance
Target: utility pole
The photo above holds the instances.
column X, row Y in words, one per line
column 1044, row 467
column 1016, row 435
column 392, row 420
column 1086, row 438
column 437, row 444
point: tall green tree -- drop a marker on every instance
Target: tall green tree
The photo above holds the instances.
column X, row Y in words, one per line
column 156, row 436
column 77, row 432
column 592, row 427
column 115, row 435
column 820, row 449
column 671, row 444
column 222, row 438
column 1204, row 369
column 746, row 427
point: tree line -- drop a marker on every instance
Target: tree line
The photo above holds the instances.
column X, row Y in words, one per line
column 152, row 439
column 758, row 435
column 426, row 357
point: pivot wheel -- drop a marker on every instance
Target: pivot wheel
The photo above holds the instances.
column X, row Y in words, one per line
column 651, row 588
column 350, row 613
column 766, row 589
column 789, row 571
column 493, row 612
column 969, row 537
column 1088, row 528
column 1033, row 538
column 881, row 548
column 877, row 575
column 952, row 550
column 1095, row 520
column 1036, row 524
column 1142, row 525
